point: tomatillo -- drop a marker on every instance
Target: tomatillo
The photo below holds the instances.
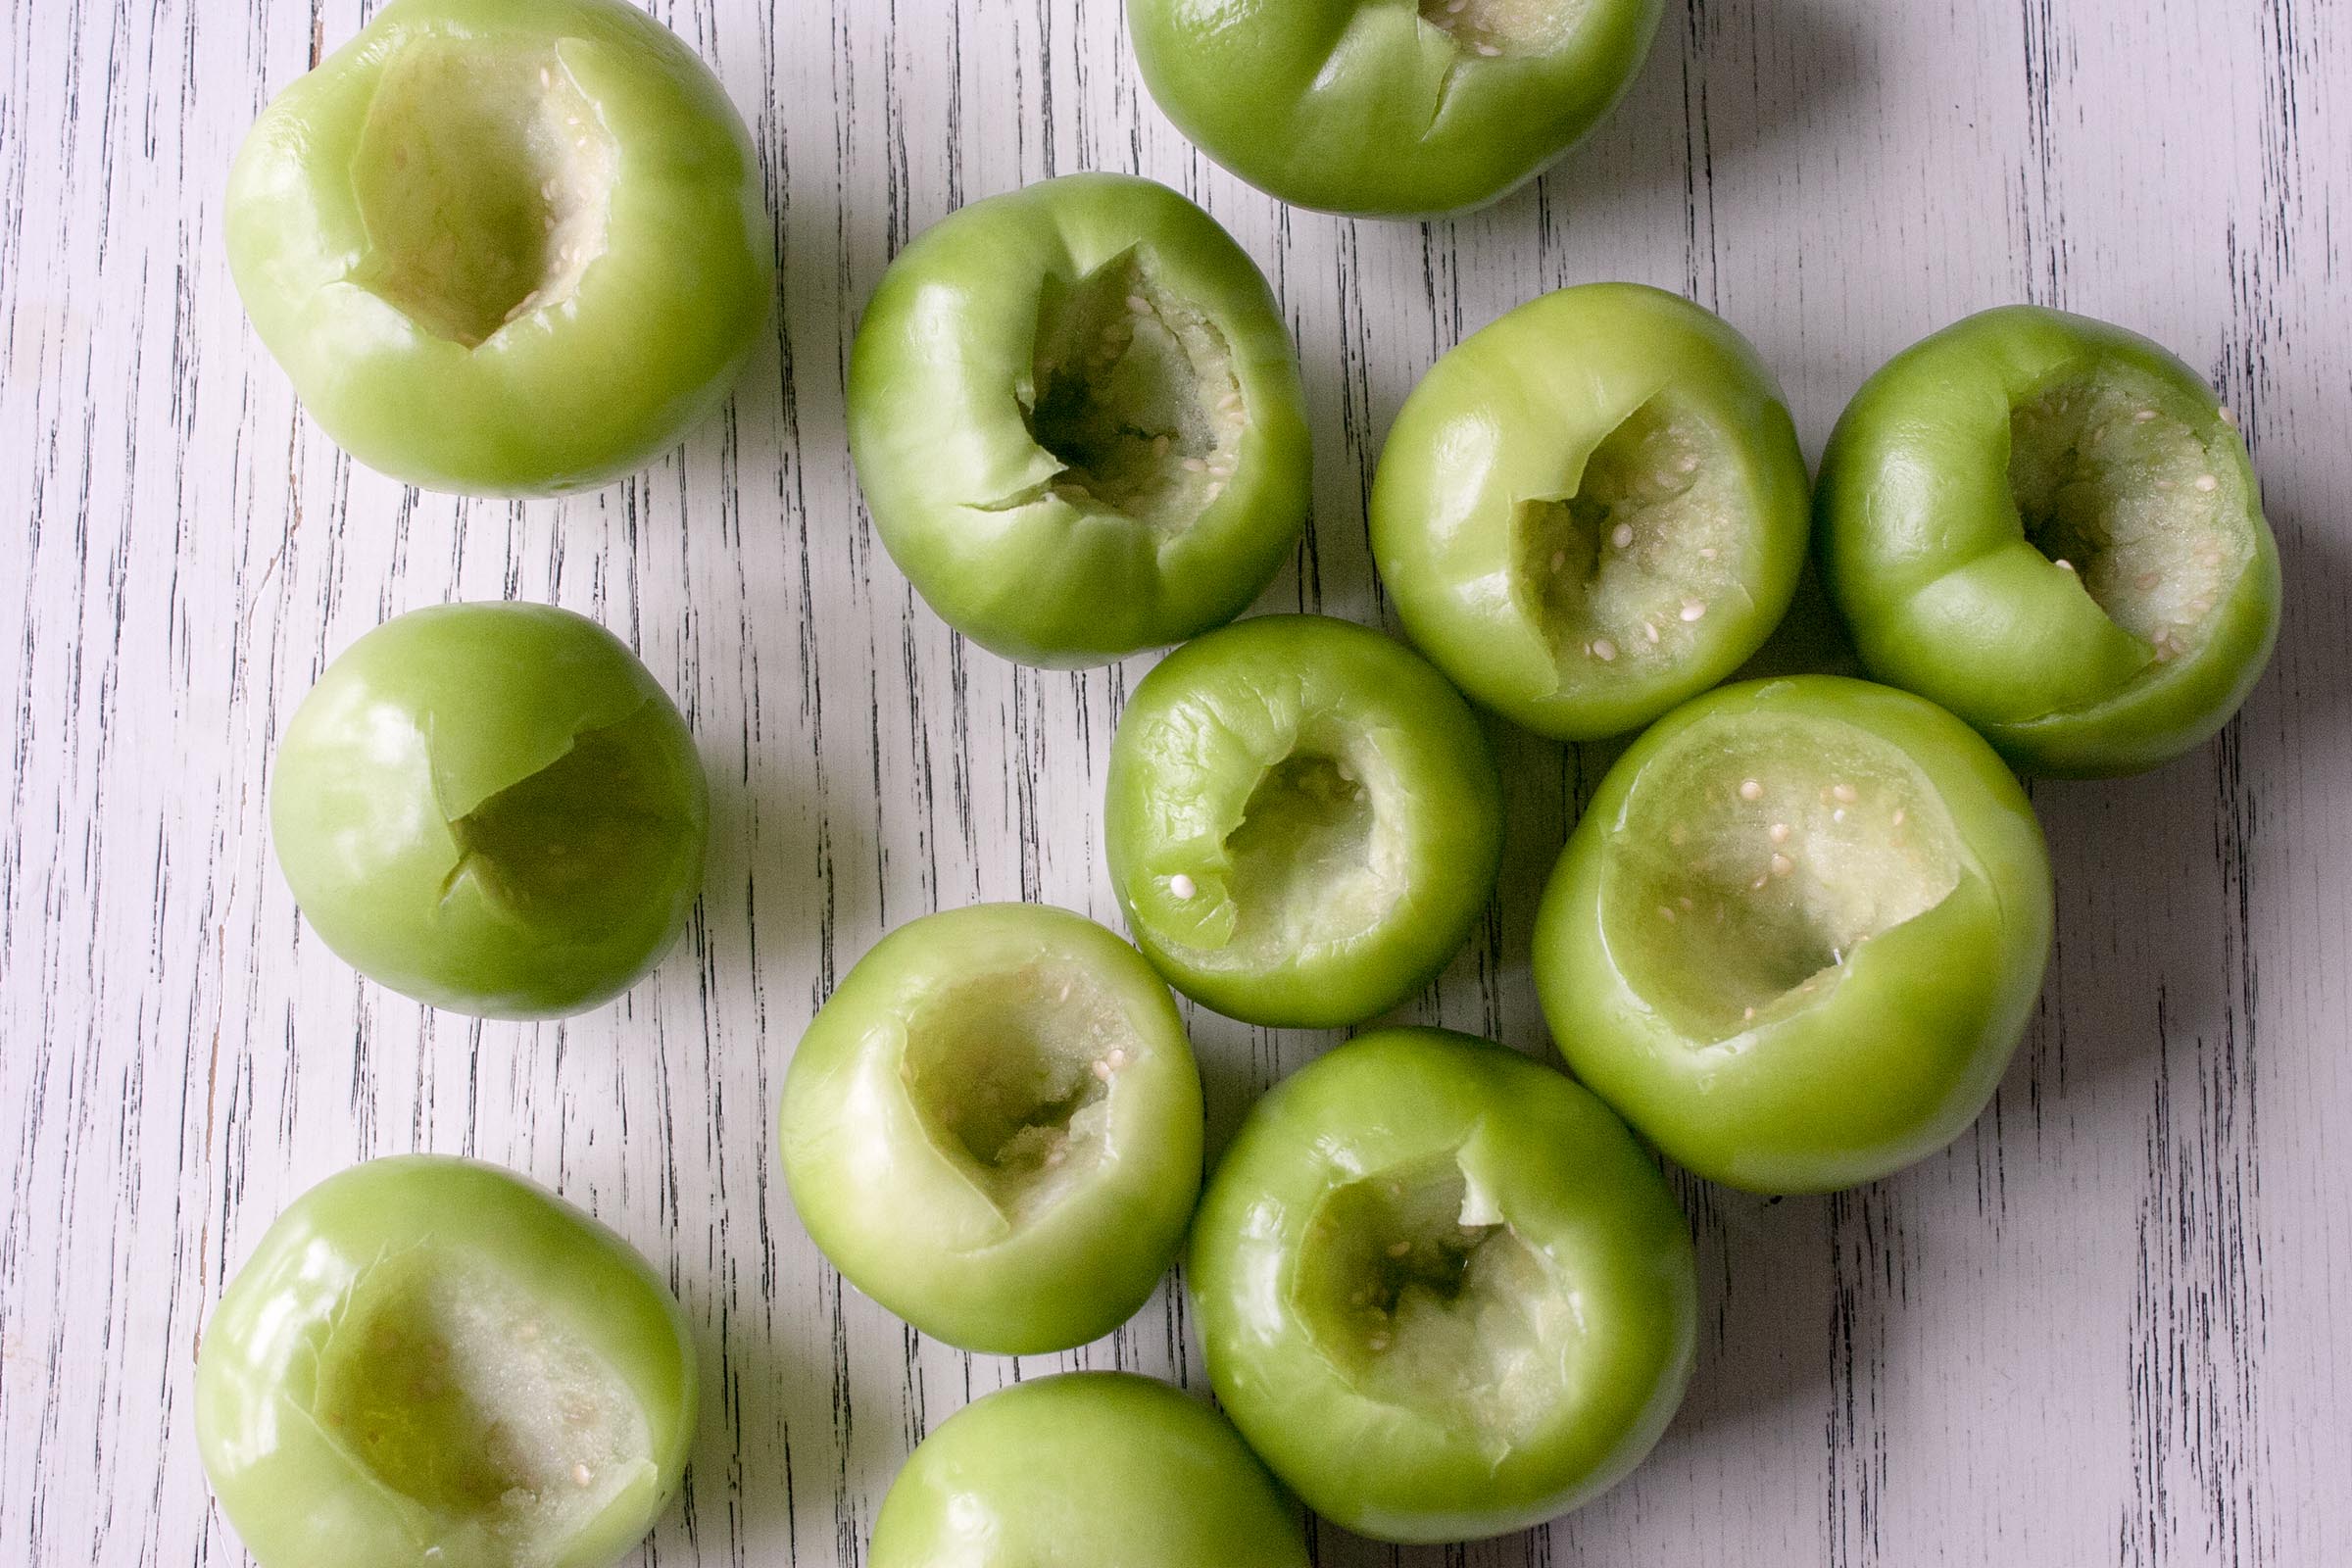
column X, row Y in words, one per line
column 504, row 247
column 1592, row 509
column 1103, row 1469
column 1303, row 821
column 492, row 807
column 1441, row 1289
column 430, row 1361
column 993, row 1127
column 1797, row 933
column 2050, row 526
column 1388, row 107
column 1078, row 421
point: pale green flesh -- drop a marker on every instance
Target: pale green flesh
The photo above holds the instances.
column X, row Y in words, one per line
column 1133, row 392
column 2109, row 482
column 1013, row 1075
column 445, row 1384
column 1490, row 28
column 1314, row 862
column 484, row 178
column 583, row 836
column 1303, row 859
column 1623, row 574
column 1724, row 912
column 1415, row 1289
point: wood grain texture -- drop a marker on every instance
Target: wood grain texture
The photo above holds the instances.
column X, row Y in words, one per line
column 2103, row 1327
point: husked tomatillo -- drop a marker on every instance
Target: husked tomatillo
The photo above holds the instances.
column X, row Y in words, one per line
column 2050, row 526
column 993, row 1127
column 1441, row 1289
column 1095, row 1468
column 1388, row 107
column 504, row 247
column 1303, row 821
column 492, row 807
column 1796, row 935
column 1592, row 510
column 1077, row 418
column 433, row 1361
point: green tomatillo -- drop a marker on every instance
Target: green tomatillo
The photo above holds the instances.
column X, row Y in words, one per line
column 433, row 1361
column 2050, row 526
column 1442, row 1290
column 1798, row 933
column 993, row 1127
column 1100, row 1469
column 1077, row 419
column 504, row 247
column 1388, row 107
column 493, row 807
column 1303, row 821
column 1592, row 510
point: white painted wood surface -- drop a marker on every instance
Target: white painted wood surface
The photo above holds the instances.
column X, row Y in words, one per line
column 2104, row 1328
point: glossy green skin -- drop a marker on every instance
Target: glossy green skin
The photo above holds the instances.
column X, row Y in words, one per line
column 559, row 399
column 943, row 369
column 295, row 1492
column 1900, row 1053
column 1571, row 1180
column 1103, row 1469
column 1928, row 559
column 1195, row 740
column 436, row 712
column 1361, row 107
column 1511, row 414
column 907, row 1224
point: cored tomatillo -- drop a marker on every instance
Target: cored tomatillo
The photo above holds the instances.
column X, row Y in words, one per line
column 993, row 1128
column 1388, row 107
column 1101, row 1469
column 1798, row 933
column 493, row 807
column 1077, row 419
column 2050, row 526
column 1592, row 510
column 504, row 247
column 430, row 1361
column 1303, row 821
column 1442, row 1292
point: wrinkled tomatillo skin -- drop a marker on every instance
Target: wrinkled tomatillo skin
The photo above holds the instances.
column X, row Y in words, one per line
column 1796, row 935
column 433, row 1361
column 492, row 807
column 1592, row 509
column 1103, row 1469
column 1442, row 1292
column 993, row 1128
column 1388, row 107
column 1303, row 821
column 2050, row 526
column 504, row 247
column 1077, row 419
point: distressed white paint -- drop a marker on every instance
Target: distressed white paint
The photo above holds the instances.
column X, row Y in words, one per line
column 2104, row 1328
